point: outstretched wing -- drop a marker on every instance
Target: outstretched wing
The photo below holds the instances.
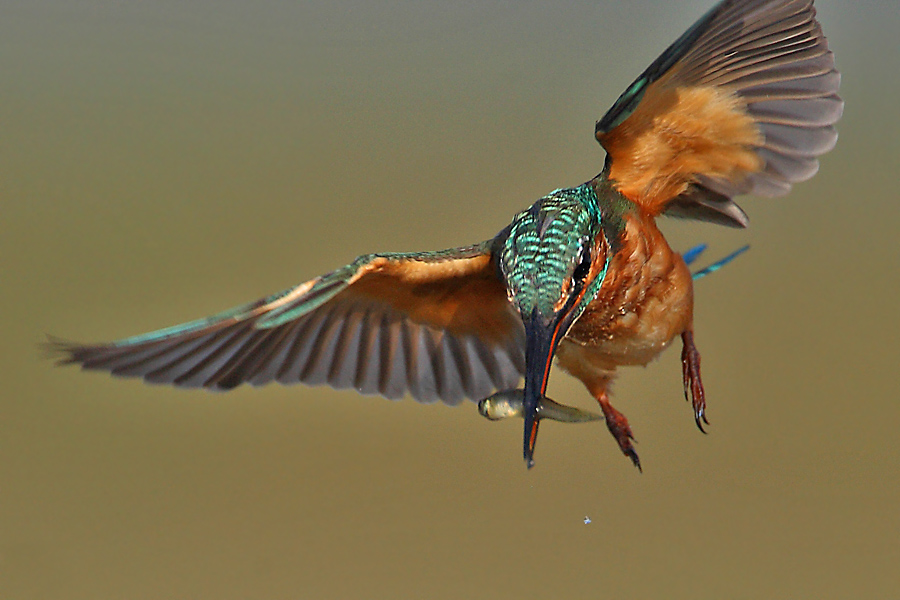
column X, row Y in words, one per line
column 437, row 325
column 744, row 102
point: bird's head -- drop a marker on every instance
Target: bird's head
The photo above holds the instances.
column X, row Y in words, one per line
column 553, row 260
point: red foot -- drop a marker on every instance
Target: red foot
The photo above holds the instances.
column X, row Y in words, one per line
column 620, row 429
column 693, row 385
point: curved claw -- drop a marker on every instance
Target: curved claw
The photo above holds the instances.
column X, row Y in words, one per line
column 630, row 453
column 622, row 432
column 693, row 384
column 620, row 429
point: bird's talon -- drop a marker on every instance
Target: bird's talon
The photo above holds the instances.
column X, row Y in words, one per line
column 634, row 459
column 693, row 384
column 620, row 429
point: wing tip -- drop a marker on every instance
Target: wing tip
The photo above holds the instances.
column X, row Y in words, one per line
column 61, row 351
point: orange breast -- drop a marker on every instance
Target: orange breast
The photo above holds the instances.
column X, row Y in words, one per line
column 646, row 300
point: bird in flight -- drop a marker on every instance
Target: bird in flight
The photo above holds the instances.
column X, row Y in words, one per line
column 744, row 102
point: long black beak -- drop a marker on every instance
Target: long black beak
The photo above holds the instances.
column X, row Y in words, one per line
column 542, row 334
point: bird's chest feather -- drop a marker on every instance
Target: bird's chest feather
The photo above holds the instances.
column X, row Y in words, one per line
column 645, row 301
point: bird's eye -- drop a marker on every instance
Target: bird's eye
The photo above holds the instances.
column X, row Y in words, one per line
column 583, row 267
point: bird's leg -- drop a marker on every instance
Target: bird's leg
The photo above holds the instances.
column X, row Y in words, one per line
column 693, row 385
column 596, row 377
column 619, row 428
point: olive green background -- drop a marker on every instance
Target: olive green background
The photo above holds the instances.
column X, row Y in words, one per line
column 162, row 161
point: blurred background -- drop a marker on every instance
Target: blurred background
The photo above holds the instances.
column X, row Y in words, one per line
column 162, row 161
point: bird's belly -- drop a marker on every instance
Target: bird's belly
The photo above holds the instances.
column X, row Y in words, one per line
column 632, row 338
column 644, row 342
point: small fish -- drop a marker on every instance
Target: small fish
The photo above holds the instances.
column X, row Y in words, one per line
column 511, row 403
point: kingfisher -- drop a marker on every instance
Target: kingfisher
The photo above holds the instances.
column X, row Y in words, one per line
column 744, row 102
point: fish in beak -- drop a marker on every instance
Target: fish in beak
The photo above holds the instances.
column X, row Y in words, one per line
column 511, row 403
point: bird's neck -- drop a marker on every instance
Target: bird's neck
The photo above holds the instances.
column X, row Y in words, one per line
column 614, row 208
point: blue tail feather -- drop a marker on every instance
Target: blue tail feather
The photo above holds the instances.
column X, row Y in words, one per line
column 694, row 252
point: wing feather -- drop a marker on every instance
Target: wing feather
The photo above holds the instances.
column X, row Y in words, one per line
column 197, row 374
column 744, row 102
column 342, row 370
column 393, row 381
column 366, row 380
column 459, row 361
column 301, row 347
column 437, row 326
